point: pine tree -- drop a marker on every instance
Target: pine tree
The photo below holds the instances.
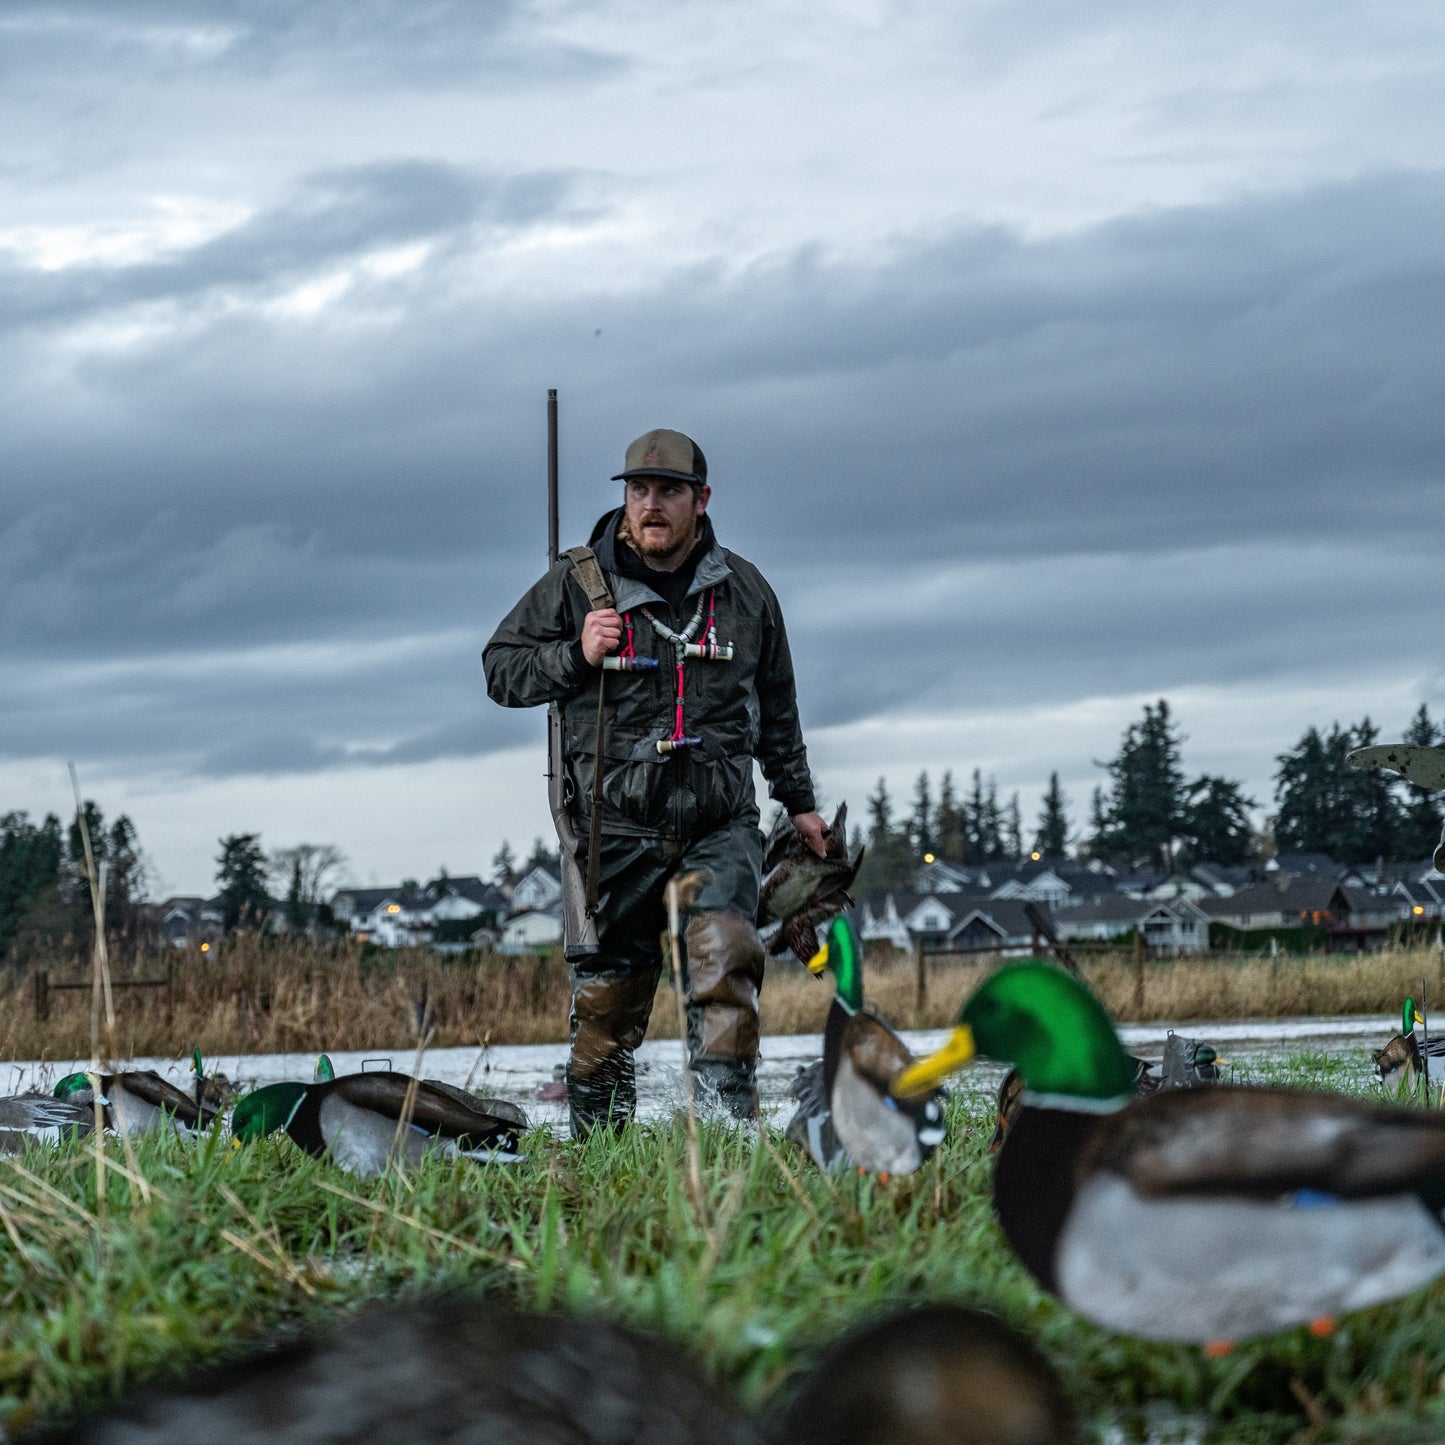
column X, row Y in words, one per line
column 1052, row 838
column 1146, row 810
column 921, row 820
column 1013, row 829
column 542, row 856
column 948, row 822
column 889, row 861
column 504, row 866
column 1217, row 823
column 1326, row 806
column 30, row 868
column 241, row 878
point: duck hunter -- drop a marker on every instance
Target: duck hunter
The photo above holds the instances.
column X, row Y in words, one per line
column 666, row 663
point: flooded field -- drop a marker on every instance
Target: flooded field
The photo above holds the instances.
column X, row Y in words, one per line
column 517, row 1071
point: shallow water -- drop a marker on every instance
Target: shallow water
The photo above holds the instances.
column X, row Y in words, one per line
column 516, row 1071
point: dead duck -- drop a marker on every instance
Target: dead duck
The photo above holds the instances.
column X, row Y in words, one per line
column 1265, row 1208
column 448, row 1369
column 934, row 1374
column 28, row 1119
column 801, row 891
column 353, row 1119
column 137, row 1101
column 848, row 1102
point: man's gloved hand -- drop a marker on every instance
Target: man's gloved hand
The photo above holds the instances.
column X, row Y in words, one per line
column 601, row 633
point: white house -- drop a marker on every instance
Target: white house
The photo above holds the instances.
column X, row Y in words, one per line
column 538, row 889
column 1170, row 926
column 529, row 931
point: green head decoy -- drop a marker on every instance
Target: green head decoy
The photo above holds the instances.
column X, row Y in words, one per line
column 323, row 1070
column 136, row 1101
column 1263, row 1208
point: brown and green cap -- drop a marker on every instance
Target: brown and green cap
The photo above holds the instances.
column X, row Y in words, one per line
column 663, row 453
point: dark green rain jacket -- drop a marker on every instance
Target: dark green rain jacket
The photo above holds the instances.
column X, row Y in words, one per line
column 743, row 709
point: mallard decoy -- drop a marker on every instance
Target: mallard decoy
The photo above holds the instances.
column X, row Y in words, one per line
column 1402, row 1058
column 935, row 1374
column 1262, row 1208
column 499, row 1108
column 137, row 1101
column 27, row 1119
column 353, row 1119
column 801, row 891
column 861, row 1058
column 451, row 1369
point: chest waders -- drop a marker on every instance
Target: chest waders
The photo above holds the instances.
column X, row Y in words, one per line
column 613, row 989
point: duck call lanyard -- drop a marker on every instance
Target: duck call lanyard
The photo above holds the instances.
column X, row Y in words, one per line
column 683, row 647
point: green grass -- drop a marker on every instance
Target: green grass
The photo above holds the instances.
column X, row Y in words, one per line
column 224, row 1246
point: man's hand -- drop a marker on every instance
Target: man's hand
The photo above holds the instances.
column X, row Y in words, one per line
column 601, row 633
column 813, row 831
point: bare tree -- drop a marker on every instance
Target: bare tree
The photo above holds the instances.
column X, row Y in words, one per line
column 309, row 872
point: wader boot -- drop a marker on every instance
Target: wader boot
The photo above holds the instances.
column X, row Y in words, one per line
column 609, row 1017
column 724, row 976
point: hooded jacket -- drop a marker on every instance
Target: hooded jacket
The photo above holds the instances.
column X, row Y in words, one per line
column 741, row 710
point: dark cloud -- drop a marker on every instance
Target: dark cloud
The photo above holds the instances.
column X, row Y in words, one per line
column 389, row 43
column 1201, row 446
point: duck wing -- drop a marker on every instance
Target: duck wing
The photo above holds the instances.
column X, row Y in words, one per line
column 1423, row 766
column 148, row 1086
column 503, row 1109
column 811, row 1127
column 1270, row 1142
column 448, row 1113
column 29, row 1113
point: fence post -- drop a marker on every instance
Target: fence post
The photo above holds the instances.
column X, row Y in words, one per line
column 920, row 990
column 170, row 989
column 42, row 995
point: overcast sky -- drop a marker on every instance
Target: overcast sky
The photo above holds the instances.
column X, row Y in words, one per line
column 1049, row 359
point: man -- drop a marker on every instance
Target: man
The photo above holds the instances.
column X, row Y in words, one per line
column 682, row 731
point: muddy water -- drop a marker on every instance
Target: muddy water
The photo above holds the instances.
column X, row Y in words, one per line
column 517, row 1071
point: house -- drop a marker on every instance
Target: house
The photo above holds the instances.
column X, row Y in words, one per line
column 540, row 888
column 902, row 917
column 531, row 930
column 1169, row 927
column 1350, row 917
column 999, row 925
column 189, row 922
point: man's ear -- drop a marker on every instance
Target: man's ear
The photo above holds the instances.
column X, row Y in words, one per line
column 702, row 498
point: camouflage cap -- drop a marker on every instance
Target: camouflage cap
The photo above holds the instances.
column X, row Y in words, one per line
column 662, row 453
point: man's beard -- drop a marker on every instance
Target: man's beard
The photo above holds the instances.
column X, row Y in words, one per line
column 674, row 545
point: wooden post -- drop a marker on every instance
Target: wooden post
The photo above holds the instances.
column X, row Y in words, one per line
column 920, row 993
column 1138, row 974
column 170, row 989
column 42, row 995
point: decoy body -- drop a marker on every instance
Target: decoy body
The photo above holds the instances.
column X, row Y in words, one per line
column 936, row 1374
column 1206, row 1215
column 137, row 1101
column 27, row 1119
column 801, row 891
column 1403, row 1056
column 354, row 1121
column 454, row 1370
column 500, row 1108
column 846, row 1105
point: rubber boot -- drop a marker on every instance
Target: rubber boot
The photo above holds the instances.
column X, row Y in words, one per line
column 609, row 1017
column 724, row 976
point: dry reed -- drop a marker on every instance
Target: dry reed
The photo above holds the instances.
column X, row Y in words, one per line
column 276, row 995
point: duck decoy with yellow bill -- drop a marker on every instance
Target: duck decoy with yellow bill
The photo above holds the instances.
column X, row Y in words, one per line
column 137, row 1101
column 364, row 1121
column 931, row 1374
column 1264, row 1208
column 862, row 1057
column 1402, row 1060
column 801, row 891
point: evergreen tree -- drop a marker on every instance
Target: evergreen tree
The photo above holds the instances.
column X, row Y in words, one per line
column 1146, row 810
column 543, row 857
column 504, row 866
column 30, row 868
column 948, row 822
column 297, row 914
column 1052, row 837
column 1217, row 824
column 1100, row 842
column 1326, row 806
column 890, row 861
column 921, row 820
column 1013, row 829
column 241, row 879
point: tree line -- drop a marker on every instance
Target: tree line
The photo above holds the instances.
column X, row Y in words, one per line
column 1151, row 814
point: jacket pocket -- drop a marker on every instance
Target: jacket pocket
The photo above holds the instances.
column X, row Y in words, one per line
column 721, row 787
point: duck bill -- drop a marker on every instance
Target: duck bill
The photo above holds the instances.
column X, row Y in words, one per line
column 819, row 960
column 927, row 1074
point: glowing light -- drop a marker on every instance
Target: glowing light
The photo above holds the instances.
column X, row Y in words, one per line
column 1036, row 856
column 393, row 907
column 928, row 857
column 205, row 948
column 1417, row 910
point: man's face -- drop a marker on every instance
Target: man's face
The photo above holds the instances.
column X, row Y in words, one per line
column 662, row 515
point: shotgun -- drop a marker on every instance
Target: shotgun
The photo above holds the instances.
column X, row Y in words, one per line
column 579, row 927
